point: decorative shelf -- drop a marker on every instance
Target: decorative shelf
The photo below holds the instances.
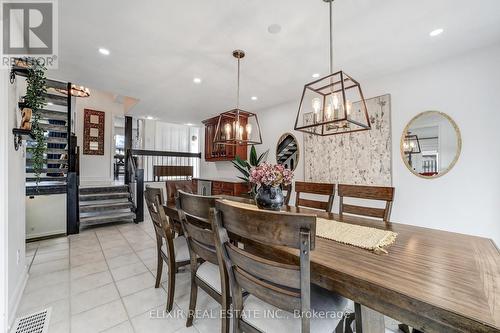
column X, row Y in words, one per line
column 23, row 133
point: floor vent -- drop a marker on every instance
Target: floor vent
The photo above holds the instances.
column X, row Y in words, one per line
column 37, row 322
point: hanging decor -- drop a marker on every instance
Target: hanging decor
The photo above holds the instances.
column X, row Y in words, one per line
column 77, row 91
column 326, row 106
column 238, row 127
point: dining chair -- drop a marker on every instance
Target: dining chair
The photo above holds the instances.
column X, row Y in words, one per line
column 288, row 193
column 173, row 186
column 209, row 275
column 170, row 249
column 366, row 192
column 273, row 285
column 324, row 189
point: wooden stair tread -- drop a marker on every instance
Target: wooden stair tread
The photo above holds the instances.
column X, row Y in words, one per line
column 104, row 196
column 104, row 218
column 105, row 207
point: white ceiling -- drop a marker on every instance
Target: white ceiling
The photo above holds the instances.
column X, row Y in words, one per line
column 158, row 46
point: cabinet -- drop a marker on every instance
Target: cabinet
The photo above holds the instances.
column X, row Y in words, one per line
column 218, row 152
column 229, row 188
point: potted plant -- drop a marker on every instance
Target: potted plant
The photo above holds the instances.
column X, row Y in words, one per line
column 245, row 166
column 269, row 180
column 35, row 100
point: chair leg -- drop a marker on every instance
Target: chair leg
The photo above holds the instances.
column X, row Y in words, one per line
column 170, row 287
column 159, row 270
column 192, row 301
column 225, row 316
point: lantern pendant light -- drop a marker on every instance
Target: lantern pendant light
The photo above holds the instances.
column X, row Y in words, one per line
column 238, row 127
column 333, row 104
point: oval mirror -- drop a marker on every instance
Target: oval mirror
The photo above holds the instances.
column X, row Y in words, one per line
column 431, row 144
column 287, row 151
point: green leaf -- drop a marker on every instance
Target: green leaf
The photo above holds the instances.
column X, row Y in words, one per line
column 253, row 156
column 262, row 156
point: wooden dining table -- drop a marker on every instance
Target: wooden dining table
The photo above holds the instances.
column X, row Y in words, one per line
column 433, row 280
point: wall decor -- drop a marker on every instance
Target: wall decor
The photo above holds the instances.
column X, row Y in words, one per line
column 93, row 132
column 287, row 151
column 356, row 158
column 430, row 144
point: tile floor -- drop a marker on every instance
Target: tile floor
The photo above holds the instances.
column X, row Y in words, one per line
column 102, row 280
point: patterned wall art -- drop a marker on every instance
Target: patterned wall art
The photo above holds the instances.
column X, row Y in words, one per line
column 93, row 132
column 360, row 158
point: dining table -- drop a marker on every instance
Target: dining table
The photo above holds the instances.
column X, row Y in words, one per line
column 433, row 280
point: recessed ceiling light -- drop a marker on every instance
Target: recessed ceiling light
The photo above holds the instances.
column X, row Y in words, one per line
column 149, row 118
column 188, row 124
column 274, row 28
column 436, row 32
column 197, row 80
column 315, row 75
column 103, row 51
column 50, row 103
column 254, row 98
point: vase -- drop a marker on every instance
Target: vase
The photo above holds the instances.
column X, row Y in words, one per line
column 269, row 197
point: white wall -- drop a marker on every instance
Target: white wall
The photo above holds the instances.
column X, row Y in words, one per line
column 98, row 168
column 465, row 87
column 12, row 192
column 45, row 215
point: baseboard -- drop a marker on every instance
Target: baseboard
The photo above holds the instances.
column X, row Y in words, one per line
column 40, row 238
column 16, row 297
column 48, row 234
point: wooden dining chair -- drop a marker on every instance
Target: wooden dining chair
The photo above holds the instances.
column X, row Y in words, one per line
column 288, row 193
column 366, row 192
column 273, row 286
column 209, row 275
column 170, row 249
column 324, row 189
column 188, row 186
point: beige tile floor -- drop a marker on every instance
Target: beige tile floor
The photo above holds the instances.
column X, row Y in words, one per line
column 102, row 280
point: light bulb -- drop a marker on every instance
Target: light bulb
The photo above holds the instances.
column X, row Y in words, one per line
column 240, row 134
column 348, row 107
column 328, row 111
column 335, row 101
column 412, row 145
column 227, row 127
column 248, row 129
column 316, row 104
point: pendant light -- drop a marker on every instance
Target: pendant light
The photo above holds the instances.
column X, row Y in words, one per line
column 238, row 127
column 333, row 104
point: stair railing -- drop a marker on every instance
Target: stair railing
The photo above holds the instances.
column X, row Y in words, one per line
column 73, row 175
column 134, row 178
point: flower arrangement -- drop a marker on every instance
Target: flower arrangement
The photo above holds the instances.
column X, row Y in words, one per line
column 267, row 174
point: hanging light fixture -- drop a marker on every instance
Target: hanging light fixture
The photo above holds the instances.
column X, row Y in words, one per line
column 238, row 127
column 333, row 104
column 77, row 91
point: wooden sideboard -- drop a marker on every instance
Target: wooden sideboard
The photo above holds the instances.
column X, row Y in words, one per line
column 217, row 152
column 227, row 187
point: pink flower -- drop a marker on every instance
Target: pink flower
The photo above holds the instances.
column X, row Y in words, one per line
column 270, row 175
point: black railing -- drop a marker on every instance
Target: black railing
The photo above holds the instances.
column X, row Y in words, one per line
column 154, row 166
column 167, row 165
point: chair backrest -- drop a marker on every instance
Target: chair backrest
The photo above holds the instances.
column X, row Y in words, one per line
column 288, row 193
column 193, row 213
column 174, row 185
column 366, row 192
column 315, row 188
column 161, row 223
column 284, row 285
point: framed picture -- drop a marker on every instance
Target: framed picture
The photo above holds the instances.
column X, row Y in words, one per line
column 93, row 132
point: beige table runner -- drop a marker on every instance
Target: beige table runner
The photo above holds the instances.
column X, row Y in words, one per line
column 368, row 238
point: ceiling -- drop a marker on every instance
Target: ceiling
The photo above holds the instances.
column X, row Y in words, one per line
column 157, row 46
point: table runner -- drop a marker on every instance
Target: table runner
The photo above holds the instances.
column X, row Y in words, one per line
column 368, row 238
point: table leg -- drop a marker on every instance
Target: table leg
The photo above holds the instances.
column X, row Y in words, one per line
column 368, row 320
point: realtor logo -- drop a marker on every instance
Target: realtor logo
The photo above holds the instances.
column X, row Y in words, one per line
column 29, row 29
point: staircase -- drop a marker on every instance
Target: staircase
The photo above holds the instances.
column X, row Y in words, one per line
column 105, row 204
column 54, row 121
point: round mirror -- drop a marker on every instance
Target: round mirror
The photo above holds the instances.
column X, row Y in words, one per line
column 287, row 151
column 431, row 144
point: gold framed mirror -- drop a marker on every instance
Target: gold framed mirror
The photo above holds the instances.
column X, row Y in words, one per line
column 431, row 144
column 287, row 151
